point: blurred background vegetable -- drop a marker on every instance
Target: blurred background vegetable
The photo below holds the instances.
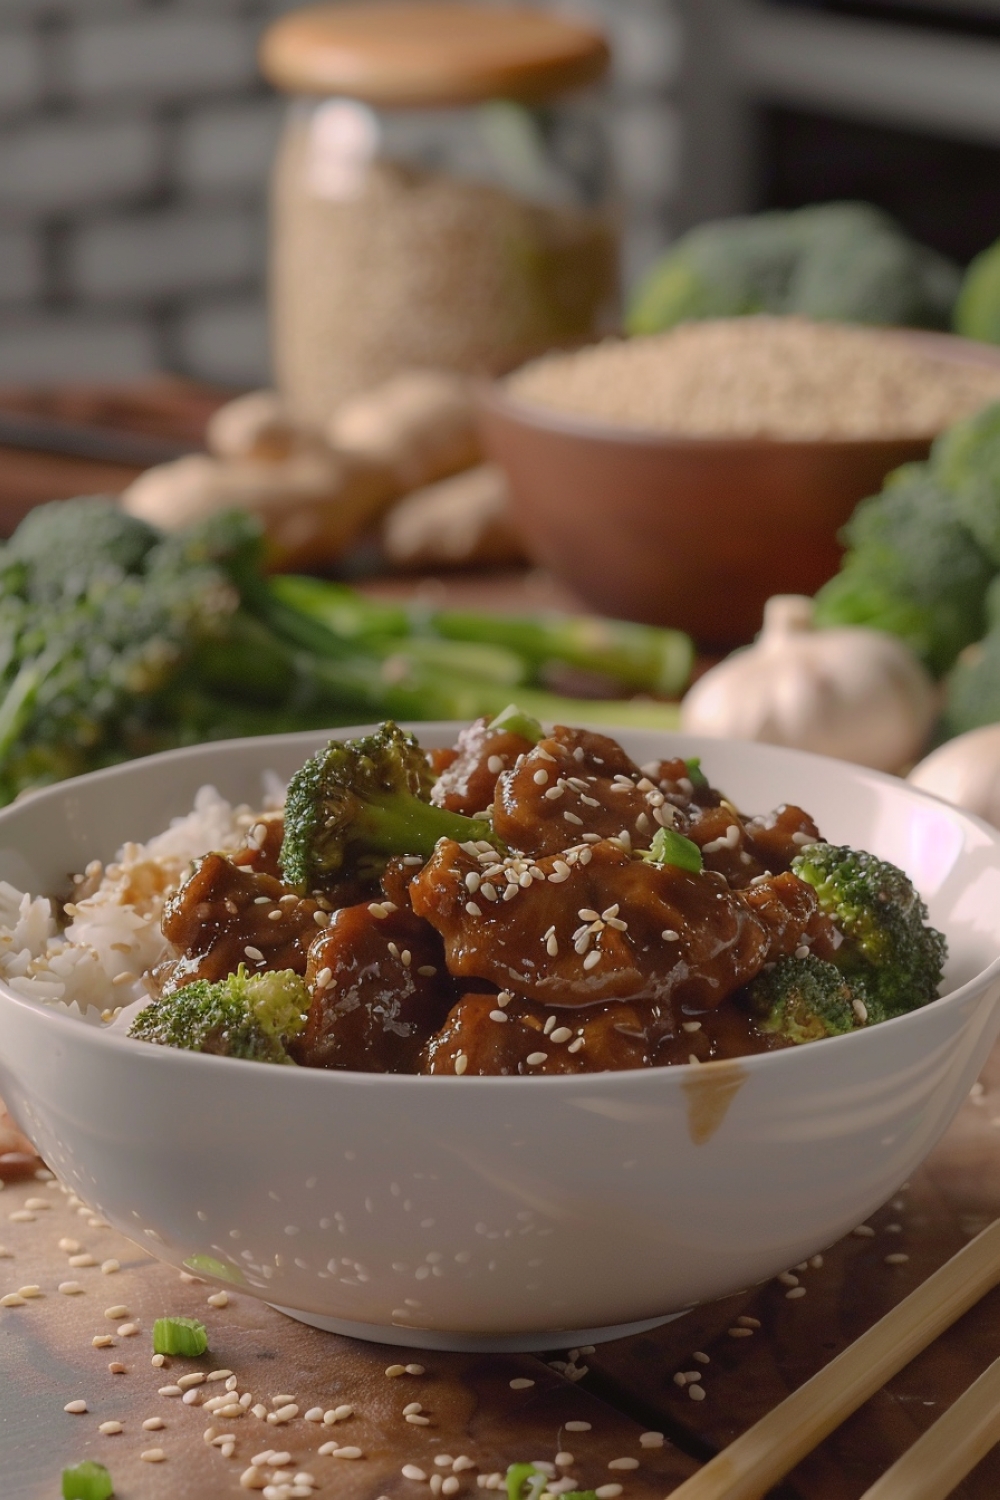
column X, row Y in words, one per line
column 117, row 640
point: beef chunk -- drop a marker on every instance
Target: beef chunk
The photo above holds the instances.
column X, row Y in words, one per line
column 466, row 783
column 223, row 915
column 575, row 782
column 596, row 926
column 602, row 1037
column 379, row 989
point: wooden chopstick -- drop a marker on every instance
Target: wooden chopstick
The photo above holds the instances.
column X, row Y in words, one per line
column 944, row 1454
column 748, row 1468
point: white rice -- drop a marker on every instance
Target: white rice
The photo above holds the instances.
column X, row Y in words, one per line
column 98, row 963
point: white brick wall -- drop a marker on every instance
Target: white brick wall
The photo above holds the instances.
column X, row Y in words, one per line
column 165, row 253
column 51, row 347
column 20, row 70
column 164, row 55
column 135, row 144
column 21, row 267
column 66, row 164
column 228, row 148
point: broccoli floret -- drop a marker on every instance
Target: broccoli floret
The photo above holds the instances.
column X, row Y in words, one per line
column 977, row 311
column 804, row 999
column 912, row 569
column 67, row 548
column 888, row 948
column 245, row 1015
column 356, row 803
column 966, row 460
column 842, row 261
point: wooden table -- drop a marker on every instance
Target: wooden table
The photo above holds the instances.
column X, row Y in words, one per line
column 623, row 1389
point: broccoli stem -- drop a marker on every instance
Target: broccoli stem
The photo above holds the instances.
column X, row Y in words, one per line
column 640, row 657
column 405, row 824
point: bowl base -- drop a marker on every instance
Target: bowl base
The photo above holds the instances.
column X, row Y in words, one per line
column 475, row 1343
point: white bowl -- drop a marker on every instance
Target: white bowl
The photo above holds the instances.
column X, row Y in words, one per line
column 502, row 1213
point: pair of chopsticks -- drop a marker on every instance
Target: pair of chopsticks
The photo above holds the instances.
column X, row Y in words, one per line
column 938, row 1460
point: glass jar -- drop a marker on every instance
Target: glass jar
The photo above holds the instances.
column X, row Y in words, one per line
column 437, row 204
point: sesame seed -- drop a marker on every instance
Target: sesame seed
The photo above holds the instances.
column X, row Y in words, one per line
column 71, row 1247
column 701, row 1357
column 863, row 1232
column 410, row 1370
column 575, row 1046
column 540, row 777
column 170, row 1390
column 669, row 935
column 75, row 1408
column 745, row 1322
column 740, row 1333
column 70, row 1288
column 111, row 1428
column 29, row 1291
column 451, row 1486
column 592, row 959
column 534, row 1060
column 521, row 1383
column 410, row 1471
column 796, row 1291
column 394, row 1370
column 495, row 764
column 498, row 1015
column 489, row 890
column 254, row 953
column 461, row 1063
column 109, row 1267
column 415, row 1406
column 153, row 1424
column 787, row 1278
column 116, row 1367
column 158, row 1360
column 102, row 1341
column 78, row 1261
column 378, row 910
column 898, row 1259
column 12, row 1299
column 554, row 792
column 561, row 1034
column 126, row 1330
column 650, row 1440
column 218, row 1299
column 473, row 910
column 115, row 1313
column 472, row 881
column 417, row 1420
column 696, row 1392
column 252, row 1479
column 577, row 1426
column 624, row 1463
column 186, row 1382
column 690, row 1025
column 608, row 1491
column 153, row 1456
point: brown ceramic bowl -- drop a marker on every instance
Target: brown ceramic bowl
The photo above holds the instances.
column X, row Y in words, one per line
column 691, row 532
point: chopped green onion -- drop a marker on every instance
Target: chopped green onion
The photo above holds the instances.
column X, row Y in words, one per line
column 525, row 1482
column 671, row 848
column 696, row 775
column 87, row 1481
column 514, row 721
column 212, row 1267
column 179, row 1336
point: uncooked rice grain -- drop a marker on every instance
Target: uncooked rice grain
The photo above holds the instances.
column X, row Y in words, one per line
column 762, row 377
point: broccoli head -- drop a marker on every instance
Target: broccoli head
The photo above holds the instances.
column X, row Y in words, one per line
column 245, row 1015
column 65, row 548
column 977, row 311
column 804, row 999
column 842, row 261
column 913, row 569
column 966, row 460
column 888, row 950
column 357, row 803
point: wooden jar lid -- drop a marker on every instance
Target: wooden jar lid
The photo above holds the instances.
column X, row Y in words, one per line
column 409, row 55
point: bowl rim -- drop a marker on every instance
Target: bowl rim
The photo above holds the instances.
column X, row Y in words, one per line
column 60, row 1017
column 493, row 397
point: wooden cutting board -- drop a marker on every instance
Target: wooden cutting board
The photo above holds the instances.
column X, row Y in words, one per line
column 623, row 1389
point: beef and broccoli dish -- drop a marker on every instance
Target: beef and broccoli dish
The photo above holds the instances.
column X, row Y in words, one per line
column 528, row 903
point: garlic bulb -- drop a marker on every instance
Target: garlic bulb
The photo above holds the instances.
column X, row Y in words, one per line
column 965, row 771
column 849, row 692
